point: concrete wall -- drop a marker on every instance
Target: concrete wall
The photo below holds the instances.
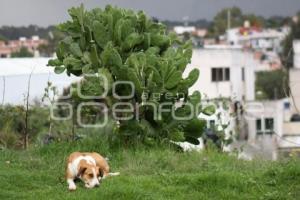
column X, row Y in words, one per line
column 291, row 128
column 235, row 59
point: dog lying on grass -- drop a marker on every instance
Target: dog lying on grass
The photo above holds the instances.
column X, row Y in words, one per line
column 91, row 168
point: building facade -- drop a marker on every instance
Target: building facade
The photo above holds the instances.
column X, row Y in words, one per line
column 228, row 72
column 258, row 38
column 11, row 46
column 225, row 72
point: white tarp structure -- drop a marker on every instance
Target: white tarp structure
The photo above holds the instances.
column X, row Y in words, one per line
column 15, row 74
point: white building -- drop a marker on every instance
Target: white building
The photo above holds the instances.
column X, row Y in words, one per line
column 184, row 29
column 229, row 72
column 258, row 39
column 225, row 72
column 291, row 128
column 15, row 74
column 273, row 129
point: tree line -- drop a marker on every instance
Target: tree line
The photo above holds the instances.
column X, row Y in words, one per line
column 216, row 26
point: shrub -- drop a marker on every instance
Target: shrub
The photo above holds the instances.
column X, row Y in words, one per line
column 12, row 125
column 22, row 53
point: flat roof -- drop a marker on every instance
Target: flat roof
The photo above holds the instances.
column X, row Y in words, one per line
column 23, row 66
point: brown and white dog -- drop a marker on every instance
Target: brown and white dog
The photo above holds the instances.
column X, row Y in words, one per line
column 89, row 167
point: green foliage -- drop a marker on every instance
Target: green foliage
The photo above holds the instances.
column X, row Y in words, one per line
column 12, row 117
column 217, row 134
column 8, row 138
column 209, row 110
column 54, row 36
column 22, row 53
column 12, row 124
column 2, row 38
column 277, row 21
column 287, row 56
column 126, row 46
column 220, row 22
column 271, row 84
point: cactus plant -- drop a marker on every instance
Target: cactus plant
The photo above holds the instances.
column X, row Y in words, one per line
column 128, row 46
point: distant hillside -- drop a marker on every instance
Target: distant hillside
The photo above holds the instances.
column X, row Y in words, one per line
column 14, row 33
column 201, row 23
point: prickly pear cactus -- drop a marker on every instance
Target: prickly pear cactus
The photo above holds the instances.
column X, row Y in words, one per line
column 123, row 45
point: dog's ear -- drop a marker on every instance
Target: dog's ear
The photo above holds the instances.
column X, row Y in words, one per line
column 81, row 171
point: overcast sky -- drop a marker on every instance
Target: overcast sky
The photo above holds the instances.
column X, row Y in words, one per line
column 48, row 12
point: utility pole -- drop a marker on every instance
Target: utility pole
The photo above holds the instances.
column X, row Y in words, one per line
column 3, row 97
column 228, row 19
column 186, row 20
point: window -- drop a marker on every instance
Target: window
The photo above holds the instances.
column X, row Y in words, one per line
column 259, row 127
column 286, row 105
column 243, row 74
column 227, row 74
column 212, row 124
column 265, row 126
column 214, row 74
column 220, row 74
column 269, row 125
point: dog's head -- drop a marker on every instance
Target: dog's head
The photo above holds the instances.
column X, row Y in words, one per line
column 89, row 174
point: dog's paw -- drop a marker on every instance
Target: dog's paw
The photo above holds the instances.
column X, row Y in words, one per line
column 72, row 187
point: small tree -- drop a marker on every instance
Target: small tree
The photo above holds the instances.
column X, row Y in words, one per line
column 26, row 113
column 271, row 84
column 50, row 96
column 2, row 38
column 220, row 21
column 122, row 45
column 288, row 52
column 53, row 38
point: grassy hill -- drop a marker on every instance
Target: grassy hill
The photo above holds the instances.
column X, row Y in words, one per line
column 147, row 174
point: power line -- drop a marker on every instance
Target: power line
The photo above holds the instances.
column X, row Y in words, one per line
column 282, row 138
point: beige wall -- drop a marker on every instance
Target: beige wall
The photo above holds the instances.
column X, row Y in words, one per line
column 291, row 128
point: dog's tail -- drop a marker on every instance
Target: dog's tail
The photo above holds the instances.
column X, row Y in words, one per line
column 114, row 174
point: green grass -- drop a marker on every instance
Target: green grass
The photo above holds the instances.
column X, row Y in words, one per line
column 147, row 174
